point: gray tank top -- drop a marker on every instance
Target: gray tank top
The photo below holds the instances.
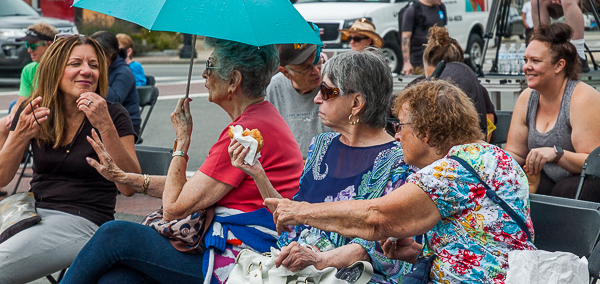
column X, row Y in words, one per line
column 559, row 135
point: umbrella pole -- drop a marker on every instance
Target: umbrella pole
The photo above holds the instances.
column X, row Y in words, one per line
column 187, row 89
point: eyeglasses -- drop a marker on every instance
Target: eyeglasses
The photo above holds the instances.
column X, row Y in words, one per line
column 308, row 68
column 35, row 45
column 64, row 36
column 209, row 66
column 398, row 126
column 328, row 92
column 357, row 38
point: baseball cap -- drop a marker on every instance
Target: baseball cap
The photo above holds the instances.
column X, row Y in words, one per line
column 294, row 53
column 32, row 35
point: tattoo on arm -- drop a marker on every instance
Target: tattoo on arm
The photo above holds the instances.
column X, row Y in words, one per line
column 406, row 49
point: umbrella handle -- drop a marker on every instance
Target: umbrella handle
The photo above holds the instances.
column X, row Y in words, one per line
column 187, row 89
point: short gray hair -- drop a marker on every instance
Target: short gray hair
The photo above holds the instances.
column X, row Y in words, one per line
column 365, row 72
column 257, row 64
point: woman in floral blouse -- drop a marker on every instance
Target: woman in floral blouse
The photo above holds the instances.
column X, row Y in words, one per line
column 468, row 233
column 360, row 161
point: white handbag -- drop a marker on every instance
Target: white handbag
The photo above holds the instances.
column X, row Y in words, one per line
column 254, row 268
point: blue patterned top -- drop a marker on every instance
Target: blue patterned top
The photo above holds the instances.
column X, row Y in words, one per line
column 335, row 172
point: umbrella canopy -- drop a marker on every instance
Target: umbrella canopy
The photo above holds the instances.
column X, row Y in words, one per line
column 254, row 22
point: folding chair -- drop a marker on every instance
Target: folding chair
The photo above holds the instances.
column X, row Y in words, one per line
column 150, row 81
column 591, row 169
column 148, row 97
column 26, row 161
column 502, row 125
column 154, row 160
column 563, row 224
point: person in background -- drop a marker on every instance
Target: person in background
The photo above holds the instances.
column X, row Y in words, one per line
column 469, row 235
column 573, row 17
column 37, row 39
column 66, row 108
column 442, row 47
column 555, row 125
column 293, row 89
column 358, row 161
column 527, row 20
column 362, row 34
column 418, row 19
column 121, row 80
column 126, row 46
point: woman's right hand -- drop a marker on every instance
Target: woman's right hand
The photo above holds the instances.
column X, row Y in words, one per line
column 31, row 118
column 182, row 123
column 402, row 249
column 106, row 167
column 237, row 153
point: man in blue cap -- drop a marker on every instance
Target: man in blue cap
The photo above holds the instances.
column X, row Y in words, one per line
column 294, row 88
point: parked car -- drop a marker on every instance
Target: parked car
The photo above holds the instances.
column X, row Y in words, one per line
column 515, row 24
column 464, row 23
column 15, row 17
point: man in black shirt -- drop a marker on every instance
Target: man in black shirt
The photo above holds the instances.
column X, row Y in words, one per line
column 418, row 18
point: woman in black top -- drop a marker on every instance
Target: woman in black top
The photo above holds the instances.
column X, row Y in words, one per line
column 65, row 109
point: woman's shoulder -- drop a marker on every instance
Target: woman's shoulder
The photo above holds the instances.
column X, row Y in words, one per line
column 584, row 95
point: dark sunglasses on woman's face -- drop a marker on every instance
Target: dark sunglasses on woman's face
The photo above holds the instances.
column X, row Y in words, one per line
column 356, row 38
column 328, row 92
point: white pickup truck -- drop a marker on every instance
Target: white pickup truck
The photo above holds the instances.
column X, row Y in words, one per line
column 466, row 22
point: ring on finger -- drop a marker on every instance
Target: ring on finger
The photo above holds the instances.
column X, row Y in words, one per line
column 89, row 103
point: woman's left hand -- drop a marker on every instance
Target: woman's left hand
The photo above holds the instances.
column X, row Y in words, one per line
column 537, row 158
column 295, row 257
column 285, row 214
column 96, row 110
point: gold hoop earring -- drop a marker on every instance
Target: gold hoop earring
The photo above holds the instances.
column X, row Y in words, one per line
column 353, row 122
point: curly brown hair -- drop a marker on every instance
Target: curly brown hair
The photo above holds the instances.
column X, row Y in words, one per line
column 442, row 47
column 443, row 112
column 557, row 36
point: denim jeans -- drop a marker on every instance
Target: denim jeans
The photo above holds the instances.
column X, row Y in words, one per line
column 126, row 252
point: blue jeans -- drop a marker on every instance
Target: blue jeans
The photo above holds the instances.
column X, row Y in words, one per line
column 126, row 252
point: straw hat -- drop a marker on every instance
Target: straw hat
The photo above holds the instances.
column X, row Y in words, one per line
column 367, row 28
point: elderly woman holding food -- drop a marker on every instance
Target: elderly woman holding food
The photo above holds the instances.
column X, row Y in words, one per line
column 359, row 161
column 236, row 76
column 467, row 233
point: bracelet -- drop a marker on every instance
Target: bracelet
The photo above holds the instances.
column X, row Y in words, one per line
column 145, row 185
column 181, row 154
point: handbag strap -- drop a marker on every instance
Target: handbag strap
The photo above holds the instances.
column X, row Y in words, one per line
column 491, row 194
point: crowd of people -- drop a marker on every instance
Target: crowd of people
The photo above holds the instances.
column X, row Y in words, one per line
column 331, row 186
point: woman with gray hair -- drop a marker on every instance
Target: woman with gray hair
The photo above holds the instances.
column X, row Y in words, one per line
column 236, row 76
column 359, row 161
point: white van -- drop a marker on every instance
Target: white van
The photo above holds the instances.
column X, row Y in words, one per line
column 466, row 23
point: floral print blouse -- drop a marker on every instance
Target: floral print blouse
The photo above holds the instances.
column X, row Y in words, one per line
column 335, row 172
column 474, row 235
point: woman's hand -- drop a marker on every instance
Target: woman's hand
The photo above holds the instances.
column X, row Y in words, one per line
column 31, row 118
column 96, row 110
column 285, row 213
column 537, row 158
column 295, row 257
column 106, row 167
column 402, row 249
column 182, row 123
column 237, row 153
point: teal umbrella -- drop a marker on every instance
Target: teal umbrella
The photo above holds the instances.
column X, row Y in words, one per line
column 254, row 22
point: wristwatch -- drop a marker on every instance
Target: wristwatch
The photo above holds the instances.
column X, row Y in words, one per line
column 559, row 153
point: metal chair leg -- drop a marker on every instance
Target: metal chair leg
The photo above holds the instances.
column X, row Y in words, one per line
column 27, row 159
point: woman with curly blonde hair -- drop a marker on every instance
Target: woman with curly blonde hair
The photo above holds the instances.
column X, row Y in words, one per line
column 468, row 234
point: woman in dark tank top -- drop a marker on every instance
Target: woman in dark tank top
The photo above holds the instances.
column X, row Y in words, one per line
column 555, row 121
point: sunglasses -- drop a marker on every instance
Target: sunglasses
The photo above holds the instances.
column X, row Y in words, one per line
column 209, row 66
column 356, row 38
column 64, row 36
column 328, row 92
column 398, row 126
column 35, row 45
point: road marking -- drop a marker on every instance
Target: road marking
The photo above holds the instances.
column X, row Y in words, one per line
column 176, row 97
column 180, row 82
column 9, row 93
